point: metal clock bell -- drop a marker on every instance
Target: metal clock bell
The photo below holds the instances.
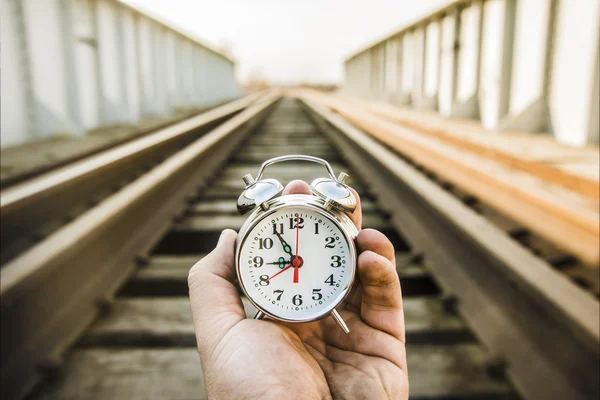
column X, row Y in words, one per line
column 295, row 254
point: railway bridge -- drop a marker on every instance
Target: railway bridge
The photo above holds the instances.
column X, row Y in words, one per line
column 470, row 134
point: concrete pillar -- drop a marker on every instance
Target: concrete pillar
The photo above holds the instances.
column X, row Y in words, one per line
column 50, row 46
column 466, row 101
column 18, row 120
column 431, row 66
column 573, row 84
column 132, row 79
column 527, row 106
column 113, row 103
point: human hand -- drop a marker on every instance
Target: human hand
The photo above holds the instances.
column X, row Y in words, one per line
column 246, row 358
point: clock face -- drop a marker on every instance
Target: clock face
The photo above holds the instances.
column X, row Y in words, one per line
column 296, row 264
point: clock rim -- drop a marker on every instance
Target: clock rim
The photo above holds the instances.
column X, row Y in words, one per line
column 340, row 219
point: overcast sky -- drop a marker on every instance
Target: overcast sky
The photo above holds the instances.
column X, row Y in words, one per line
column 290, row 41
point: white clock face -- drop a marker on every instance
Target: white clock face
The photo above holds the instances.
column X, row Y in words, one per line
column 296, row 264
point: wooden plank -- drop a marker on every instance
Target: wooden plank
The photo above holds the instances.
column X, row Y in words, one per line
column 567, row 220
column 261, row 157
column 260, row 154
column 591, row 171
column 457, row 372
column 229, row 207
column 298, row 140
column 436, row 372
column 199, row 234
column 149, row 321
column 133, row 374
column 269, row 146
column 212, row 207
column 509, row 149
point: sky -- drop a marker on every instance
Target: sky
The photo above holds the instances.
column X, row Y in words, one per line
column 290, row 41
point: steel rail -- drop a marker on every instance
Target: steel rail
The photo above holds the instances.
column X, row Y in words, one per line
column 43, row 202
column 54, row 290
column 542, row 327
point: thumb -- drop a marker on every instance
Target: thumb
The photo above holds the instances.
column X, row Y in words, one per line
column 220, row 261
column 215, row 303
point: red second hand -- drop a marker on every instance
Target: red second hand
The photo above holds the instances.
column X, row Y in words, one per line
column 296, row 261
column 288, row 267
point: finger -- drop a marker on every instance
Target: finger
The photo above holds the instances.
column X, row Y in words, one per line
column 381, row 305
column 372, row 240
column 301, row 187
column 297, row 187
column 214, row 300
column 377, row 242
column 220, row 261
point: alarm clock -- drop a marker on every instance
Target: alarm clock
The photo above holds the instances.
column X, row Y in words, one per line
column 296, row 254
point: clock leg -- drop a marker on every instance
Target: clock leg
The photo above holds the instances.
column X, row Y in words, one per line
column 259, row 315
column 340, row 321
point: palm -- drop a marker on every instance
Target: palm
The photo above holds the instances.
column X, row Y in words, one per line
column 318, row 356
column 349, row 372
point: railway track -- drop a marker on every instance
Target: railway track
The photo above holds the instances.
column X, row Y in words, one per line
column 464, row 333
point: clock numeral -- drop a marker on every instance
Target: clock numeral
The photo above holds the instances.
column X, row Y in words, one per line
column 296, row 221
column 280, row 294
column 278, row 228
column 316, row 294
column 258, row 261
column 330, row 242
column 316, row 228
column 264, row 280
column 330, row 280
column 266, row 243
column 336, row 261
column 297, row 300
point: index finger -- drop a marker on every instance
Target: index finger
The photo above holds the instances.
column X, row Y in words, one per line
column 301, row 187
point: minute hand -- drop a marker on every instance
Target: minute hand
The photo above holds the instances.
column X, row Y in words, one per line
column 286, row 247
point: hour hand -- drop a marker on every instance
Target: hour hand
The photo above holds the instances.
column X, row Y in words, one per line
column 286, row 247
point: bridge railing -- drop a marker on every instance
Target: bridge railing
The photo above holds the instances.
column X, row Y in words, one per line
column 516, row 65
column 69, row 66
